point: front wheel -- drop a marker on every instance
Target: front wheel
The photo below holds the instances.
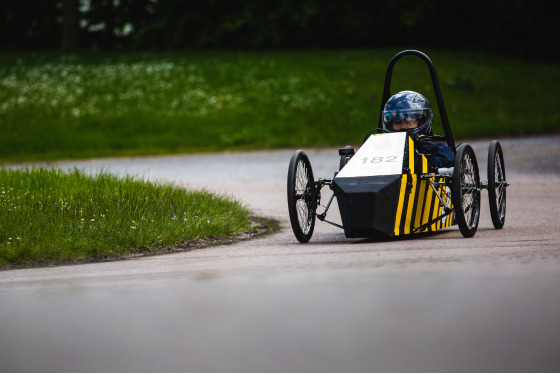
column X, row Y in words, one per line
column 497, row 184
column 465, row 192
column 300, row 196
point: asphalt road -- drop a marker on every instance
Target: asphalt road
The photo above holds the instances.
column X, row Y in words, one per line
column 432, row 303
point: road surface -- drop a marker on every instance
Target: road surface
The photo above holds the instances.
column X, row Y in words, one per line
column 433, row 303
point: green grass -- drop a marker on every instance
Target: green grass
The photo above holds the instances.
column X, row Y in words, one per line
column 50, row 216
column 64, row 106
column 103, row 104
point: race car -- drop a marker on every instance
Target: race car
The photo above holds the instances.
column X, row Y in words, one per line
column 389, row 187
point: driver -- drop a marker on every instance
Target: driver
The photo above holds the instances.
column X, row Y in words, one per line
column 411, row 112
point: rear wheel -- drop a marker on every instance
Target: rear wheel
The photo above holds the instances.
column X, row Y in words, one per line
column 300, row 196
column 466, row 190
column 497, row 184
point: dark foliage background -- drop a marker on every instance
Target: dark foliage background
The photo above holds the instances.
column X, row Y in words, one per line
column 520, row 28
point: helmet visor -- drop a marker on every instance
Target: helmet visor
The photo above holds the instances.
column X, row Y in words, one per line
column 403, row 117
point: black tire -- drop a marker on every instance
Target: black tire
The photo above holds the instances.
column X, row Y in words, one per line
column 465, row 193
column 300, row 185
column 497, row 184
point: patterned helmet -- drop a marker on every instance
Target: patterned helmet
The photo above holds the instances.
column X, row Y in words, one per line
column 408, row 111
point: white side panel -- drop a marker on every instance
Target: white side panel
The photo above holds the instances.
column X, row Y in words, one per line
column 381, row 154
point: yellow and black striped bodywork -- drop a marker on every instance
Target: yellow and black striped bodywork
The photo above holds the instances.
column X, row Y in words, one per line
column 418, row 204
column 395, row 205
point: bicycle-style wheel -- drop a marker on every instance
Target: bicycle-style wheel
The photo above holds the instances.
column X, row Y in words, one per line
column 465, row 192
column 497, row 184
column 300, row 203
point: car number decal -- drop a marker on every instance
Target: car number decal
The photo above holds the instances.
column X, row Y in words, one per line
column 381, row 154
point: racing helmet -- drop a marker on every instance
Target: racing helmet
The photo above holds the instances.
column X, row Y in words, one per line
column 408, row 106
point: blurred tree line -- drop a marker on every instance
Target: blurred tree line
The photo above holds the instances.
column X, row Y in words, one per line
column 521, row 28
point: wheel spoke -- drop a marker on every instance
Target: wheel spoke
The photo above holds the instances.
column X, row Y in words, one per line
column 302, row 215
column 302, row 191
column 499, row 196
column 468, row 191
column 500, row 185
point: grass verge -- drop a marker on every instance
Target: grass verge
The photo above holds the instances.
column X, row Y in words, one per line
column 94, row 104
column 50, row 216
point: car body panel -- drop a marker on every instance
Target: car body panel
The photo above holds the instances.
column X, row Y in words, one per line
column 376, row 200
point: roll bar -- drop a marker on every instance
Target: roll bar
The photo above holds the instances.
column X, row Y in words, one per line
column 435, row 83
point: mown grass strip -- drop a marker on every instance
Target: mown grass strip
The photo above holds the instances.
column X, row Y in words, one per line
column 85, row 105
column 48, row 215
